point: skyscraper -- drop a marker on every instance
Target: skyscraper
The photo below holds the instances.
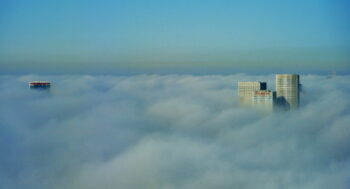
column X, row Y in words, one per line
column 264, row 100
column 287, row 88
column 246, row 90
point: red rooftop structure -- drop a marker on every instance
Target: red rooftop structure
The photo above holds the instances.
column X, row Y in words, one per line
column 39, row 84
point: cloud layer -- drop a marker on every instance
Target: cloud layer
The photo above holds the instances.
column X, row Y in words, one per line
column 173, row 131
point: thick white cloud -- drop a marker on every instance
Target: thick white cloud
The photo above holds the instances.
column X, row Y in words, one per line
column 174, row 131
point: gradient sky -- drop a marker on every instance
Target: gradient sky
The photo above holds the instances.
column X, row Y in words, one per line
column 178, row 36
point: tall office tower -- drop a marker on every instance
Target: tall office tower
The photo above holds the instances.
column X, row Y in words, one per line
column 287, row 88
column 246, row 89
column 264, row 100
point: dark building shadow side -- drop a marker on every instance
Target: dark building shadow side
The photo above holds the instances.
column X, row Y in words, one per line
column 281, row 104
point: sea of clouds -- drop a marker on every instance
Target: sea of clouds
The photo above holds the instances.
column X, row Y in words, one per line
column 170, row 132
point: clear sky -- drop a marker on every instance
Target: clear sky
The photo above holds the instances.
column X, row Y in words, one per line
column 178, row 36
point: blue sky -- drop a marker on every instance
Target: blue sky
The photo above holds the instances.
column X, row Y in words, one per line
column 223, row 36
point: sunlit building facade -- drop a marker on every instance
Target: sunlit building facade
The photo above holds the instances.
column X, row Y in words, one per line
column 246, row 91
column 264, row 100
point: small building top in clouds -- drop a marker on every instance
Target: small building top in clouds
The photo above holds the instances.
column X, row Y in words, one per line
column 39, row 84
